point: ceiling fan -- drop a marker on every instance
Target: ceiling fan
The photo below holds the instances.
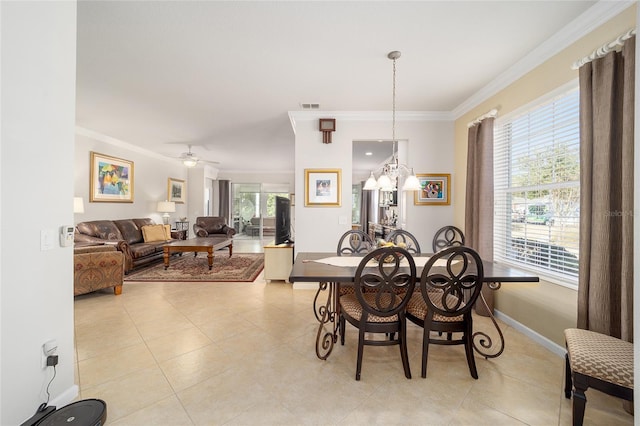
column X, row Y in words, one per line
column 189, row 159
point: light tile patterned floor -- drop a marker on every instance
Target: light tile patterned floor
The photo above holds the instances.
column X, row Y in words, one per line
column 243, row 354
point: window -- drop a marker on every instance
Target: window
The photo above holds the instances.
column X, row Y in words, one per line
column 537, row 188
column 271, row 202
column 356, row 201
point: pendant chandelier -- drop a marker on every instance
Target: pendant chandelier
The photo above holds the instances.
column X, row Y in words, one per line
column 388, row 179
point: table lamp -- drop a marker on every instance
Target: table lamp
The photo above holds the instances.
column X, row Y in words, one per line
column 166, row 207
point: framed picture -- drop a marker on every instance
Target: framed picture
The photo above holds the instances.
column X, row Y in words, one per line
column 111, row 179
column 435, row 190
column 322, row 187
column 176, row 191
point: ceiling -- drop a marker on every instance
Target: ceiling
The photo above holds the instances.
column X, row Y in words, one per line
column 222, row 76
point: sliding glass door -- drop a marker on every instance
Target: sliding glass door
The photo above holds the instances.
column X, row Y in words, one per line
column 254, row 208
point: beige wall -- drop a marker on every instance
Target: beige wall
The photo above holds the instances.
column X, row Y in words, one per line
column 545, row 308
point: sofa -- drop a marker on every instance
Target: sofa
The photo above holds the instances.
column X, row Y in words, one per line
column 96, row 267
column 268, row 226
column 126, row 235
column 213, row 226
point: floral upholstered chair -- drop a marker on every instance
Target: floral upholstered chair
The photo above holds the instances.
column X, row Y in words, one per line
column 96, row 267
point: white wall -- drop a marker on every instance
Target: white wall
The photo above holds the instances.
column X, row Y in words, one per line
column 38, row 48
column 151, row 175
column 430, row 150
column 284, row 177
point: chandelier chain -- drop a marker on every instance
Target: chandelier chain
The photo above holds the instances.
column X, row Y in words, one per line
column 388, row 179
column 393, row 111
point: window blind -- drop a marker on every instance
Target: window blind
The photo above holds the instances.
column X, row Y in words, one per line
column 537, row 188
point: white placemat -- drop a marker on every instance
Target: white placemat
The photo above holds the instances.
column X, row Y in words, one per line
column 354, row 261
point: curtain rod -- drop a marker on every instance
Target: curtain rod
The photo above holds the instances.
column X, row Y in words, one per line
column 491, row 113
column 604, row 49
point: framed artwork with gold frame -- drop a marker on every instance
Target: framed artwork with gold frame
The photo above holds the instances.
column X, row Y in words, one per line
column 111, row 179
column 176, row 191
column 434, row 190
column 322, row 187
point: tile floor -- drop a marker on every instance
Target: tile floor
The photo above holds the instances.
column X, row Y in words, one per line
column 243, row 354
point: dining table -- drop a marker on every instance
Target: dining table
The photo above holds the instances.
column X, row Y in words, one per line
column 331, row 271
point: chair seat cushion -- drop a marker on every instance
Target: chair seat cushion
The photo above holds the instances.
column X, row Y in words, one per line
column 351, row 306
column 600, row 356
column 417, row 307
column 346, row 289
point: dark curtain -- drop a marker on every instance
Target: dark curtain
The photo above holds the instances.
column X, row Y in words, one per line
column 224, row 201
column 478, row 210
column 365, row 208
column 605, row 292
column 478, row 225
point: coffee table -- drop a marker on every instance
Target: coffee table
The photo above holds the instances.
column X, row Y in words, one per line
column 196, row 245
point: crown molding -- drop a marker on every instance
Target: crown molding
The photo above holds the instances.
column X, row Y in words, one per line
column 100, row 137
column 298, row 116
column 588, row 21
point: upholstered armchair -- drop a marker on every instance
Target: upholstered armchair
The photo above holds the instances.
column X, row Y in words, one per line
column 97, row 267
column 211, row 226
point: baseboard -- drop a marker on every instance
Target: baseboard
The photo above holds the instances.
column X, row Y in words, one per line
column 535, row 336
column 66, row 397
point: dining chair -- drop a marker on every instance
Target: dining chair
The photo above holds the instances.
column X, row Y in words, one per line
column 447, row 236
column 354, row 241
column 351, row 242
column 382, row 291
column 441, row 305
column 402, row 236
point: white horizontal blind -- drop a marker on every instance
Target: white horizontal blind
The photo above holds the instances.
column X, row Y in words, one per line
column 537, row 188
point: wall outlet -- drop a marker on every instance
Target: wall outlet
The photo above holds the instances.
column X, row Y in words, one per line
column 48, row 348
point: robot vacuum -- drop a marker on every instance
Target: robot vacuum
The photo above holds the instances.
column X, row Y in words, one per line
column 87, row 412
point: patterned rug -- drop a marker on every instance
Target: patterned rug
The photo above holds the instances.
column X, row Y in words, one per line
column 241, row 267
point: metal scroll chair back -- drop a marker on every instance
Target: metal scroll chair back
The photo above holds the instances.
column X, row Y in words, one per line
column 450, row 284
column 383, row 288
column 447, row 236
column 354, row 241
column 402, row 236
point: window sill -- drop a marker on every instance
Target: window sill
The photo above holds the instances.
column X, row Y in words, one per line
column 550, row 278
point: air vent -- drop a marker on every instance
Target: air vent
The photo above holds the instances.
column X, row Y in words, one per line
column 310, row 106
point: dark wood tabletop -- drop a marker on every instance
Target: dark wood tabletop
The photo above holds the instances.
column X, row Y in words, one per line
column 306, row 270
column 202, row 242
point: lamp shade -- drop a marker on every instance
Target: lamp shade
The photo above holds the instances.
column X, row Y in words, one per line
column 78, row 205
column 371, row 183
column 166, row 206
column 384, row 183
column 411, row 183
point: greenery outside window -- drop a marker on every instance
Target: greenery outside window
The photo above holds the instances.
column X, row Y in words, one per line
column 537, row 187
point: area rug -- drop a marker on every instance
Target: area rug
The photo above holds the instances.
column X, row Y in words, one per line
column 241, row 267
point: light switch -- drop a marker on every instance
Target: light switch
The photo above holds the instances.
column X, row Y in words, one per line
column 342, row 220
column 47, row 239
